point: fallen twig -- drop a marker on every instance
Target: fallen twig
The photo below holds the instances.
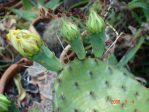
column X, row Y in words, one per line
column 13, row 70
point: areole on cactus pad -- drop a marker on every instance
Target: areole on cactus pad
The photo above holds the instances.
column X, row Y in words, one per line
column 92, row 86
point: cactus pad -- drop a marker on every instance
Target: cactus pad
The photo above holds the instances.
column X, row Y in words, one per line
column 94, row 86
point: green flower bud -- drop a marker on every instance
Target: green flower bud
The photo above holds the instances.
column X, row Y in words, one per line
column 95, row 23
column 69, row 30
column 4, row 103
column 25, row 42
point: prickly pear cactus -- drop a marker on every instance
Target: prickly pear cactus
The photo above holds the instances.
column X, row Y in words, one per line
column 85, row 84
column 94, row 86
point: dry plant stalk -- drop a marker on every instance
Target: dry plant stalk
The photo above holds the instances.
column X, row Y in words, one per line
column 13, row 70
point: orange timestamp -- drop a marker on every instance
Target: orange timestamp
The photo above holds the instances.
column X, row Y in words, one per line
column 117, row 101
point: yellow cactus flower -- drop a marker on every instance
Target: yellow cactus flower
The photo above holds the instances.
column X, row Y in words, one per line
column 69, row 30
column 94, row 23
column 25, row 42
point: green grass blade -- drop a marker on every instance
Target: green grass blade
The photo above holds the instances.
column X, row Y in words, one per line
column 27, row 4
column 130, row 54
column 27, row 15
column 53, row 4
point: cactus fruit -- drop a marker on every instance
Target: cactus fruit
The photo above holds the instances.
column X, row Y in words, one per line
column 26, row 43
column 31, row 46
column 96, row 27
column 95, row 23
column 93, row 86
column 72, row 35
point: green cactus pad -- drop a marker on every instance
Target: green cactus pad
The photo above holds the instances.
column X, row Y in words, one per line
column 94, row 86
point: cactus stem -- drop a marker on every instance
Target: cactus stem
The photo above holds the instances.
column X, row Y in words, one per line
column 46, row 58
column 78, row 48
column 97, row 43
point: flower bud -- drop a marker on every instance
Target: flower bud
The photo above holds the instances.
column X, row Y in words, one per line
column 25, row 42
column 69, row 30
column 95, row 23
